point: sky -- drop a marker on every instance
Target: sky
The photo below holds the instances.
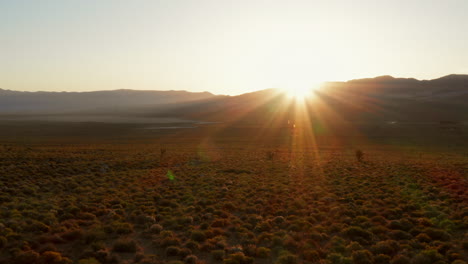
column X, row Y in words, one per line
column 225, row 47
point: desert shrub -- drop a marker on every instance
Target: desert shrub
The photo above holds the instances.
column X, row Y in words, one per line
column 26, row 257
column 102, row 255
column 437, row 234
column 387, row 247
column 311, row 255
column 249, row 249
column 219, row 223
column 294, row 228
column 88, row 261
column 427, row 256
column 464, row 244
column 172, row 251
column 207, row 246
column 400, row 259
column 231, row 261
column 215, row 232
column 262, row 252
column 170, row 241
column 264, row 237
column 355, row 232
column 191, row 259
column 51, row 257
column 353, row 246
column 97, row 245
column 193, row 245
column 444, row 248
column 277, row 240
column 290, row 243
column 382, row 259
column 155, row 228
column 144, row 220
column 72, row 234
column 86, row 216
column 362, row 257
column 198, row 236
column 423, row 238
column 138, row 257
column 404, row 225
column 238, row 258
column 279, row 220
column 94, row 235
column 393, row 214
column 220, row 243
column 37, row 227
column 185, row 252
column 235, row 249
column 420, row 259
column 287, row 258
column 415, row 231
column 3, row 241
column 336, row 258
column 120, row 228
column 400, row 235
column 125, row 246
column 185, row 220
column 379, row 219
column 262, row 227
column 380, row 231
column 166, row 234
column 47, row 247
column 217, row 254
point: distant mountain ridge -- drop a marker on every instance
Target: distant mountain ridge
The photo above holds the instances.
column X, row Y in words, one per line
column 451, row 87
column 50, row 102
column 381, row 98
column 359, row 100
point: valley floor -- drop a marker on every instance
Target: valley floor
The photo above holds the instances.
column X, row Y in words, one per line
column 207, row 196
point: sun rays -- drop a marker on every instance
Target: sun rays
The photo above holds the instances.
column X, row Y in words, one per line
column 300, row 92
column 302, row 121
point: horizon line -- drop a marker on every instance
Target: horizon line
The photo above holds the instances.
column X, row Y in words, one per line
column 206, row 91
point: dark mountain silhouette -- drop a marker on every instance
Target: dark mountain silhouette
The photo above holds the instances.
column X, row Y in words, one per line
column 66, row 102
column 362, row 100
column 382, row 98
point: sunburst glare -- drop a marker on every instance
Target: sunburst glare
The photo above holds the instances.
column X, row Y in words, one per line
column 300, row 92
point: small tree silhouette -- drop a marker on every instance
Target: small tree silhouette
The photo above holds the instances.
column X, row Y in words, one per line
column 359, row 155
column 270, row 155
column 163, row 153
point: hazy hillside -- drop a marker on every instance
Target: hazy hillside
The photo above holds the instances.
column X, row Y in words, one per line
column 60, row 102
column 450, row 87
column 382, row 98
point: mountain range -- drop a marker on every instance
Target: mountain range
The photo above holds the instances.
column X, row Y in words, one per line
column 360, row 100
column 68, row 102
column 382, row 98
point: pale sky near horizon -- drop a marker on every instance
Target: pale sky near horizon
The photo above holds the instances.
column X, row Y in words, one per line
column 225, row 47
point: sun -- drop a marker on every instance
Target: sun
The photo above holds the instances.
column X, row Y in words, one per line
column 299, row 92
